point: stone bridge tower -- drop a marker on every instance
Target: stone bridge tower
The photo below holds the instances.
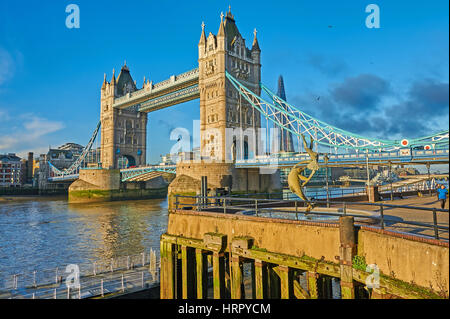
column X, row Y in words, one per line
column 220, row 104
column 123, row 131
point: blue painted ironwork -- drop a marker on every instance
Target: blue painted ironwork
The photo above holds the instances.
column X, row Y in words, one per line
column 73, row 169
column 325, row 134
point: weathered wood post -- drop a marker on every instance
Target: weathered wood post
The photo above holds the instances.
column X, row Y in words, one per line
column 274, row 283
column 237, row 245
column 347, row 251
column 236, row 277
column 286, row 279
column 201, row 259
column 311, row 279
column 217, row 243
column 188, row 272
column 260, row 279
column 167, row 270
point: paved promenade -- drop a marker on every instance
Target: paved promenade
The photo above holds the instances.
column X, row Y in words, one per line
column 395, row 216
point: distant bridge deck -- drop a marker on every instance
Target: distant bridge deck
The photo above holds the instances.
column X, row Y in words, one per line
column 286, row 161
column 382, row 158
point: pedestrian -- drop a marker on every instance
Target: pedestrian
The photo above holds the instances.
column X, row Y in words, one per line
column 442, row 195
column 438, row 186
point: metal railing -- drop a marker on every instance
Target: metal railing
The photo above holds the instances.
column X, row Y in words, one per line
column 119, row 275
column 271, row 208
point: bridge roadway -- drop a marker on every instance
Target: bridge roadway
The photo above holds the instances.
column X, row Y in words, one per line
column 152, row 97
column 285, row 161
column 399, row 157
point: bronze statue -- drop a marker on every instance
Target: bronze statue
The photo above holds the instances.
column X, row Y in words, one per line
column 295, row 176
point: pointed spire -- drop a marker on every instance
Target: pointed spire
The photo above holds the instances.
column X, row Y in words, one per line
column 229, row 14
column 125, row 67
column 221, row 32
column 203, row 36
column 104, row 81
column 113, row 79
column 255, row 46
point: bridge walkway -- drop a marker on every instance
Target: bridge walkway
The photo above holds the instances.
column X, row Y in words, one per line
column 394, row 216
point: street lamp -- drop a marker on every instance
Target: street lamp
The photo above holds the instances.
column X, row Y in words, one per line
column 325, row 158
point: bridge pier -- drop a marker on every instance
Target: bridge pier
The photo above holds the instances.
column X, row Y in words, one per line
column 100, row 185
column 220, row 175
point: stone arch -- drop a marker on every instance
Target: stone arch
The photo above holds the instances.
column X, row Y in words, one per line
column 126, row 161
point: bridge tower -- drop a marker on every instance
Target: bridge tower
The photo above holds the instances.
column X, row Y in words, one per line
column 123, row 131
column 220, row 105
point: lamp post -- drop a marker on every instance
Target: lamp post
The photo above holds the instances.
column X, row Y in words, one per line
column 390, row 180
column 325, row 158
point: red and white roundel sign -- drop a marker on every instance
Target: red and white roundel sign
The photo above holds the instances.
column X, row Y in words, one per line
column 404, row 142
column 427, row 147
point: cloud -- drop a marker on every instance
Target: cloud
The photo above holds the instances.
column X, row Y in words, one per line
column 7, row 66
column 326, row 66
column 361, row 92
column 359, row 105
column 30, row 135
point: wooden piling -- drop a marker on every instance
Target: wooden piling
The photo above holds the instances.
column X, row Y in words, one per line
column 260, row 279
column 347, row 252
column 201, row 259
column 188, row 272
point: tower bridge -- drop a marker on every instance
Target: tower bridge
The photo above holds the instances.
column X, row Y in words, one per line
column 231, row 96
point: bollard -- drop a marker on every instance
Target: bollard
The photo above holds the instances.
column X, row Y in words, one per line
column 79, row 291
column 95, row 273
column 56, row 275
column 128, row 262
column 68, row 292
column 123, row 286
column 101, row 287
column 54, row 294
column 33, row 296
column 435, row 224
column 382, row 216
column 143, row 259
column 34, row 279
column 256, row 207
column 142, row 279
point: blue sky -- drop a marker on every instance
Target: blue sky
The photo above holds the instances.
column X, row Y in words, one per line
column 390, row 82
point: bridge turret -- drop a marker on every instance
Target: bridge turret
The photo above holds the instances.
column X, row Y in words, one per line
column 123, row 131
column 220, row 109
column 202, row 42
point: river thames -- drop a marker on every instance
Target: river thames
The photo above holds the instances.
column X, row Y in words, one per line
column 44, row 233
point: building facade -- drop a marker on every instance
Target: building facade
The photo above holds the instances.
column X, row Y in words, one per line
column 10, row 170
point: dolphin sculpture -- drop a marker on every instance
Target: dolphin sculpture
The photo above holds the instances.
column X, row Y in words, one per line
column 296, row 180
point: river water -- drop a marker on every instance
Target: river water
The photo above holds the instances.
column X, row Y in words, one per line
column 45, row 233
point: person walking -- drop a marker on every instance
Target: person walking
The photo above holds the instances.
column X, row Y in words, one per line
column 437, row 190
column 442, row 195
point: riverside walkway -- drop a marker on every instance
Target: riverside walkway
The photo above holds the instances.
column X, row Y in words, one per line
column 395, row 216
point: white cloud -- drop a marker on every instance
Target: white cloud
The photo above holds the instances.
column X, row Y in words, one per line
column 31, row 135
column 7, row 66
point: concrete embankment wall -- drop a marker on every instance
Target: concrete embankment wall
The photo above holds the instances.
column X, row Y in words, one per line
column 289, row 237
column 408, row 258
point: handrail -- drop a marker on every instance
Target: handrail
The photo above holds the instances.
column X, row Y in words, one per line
column 226, row 203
